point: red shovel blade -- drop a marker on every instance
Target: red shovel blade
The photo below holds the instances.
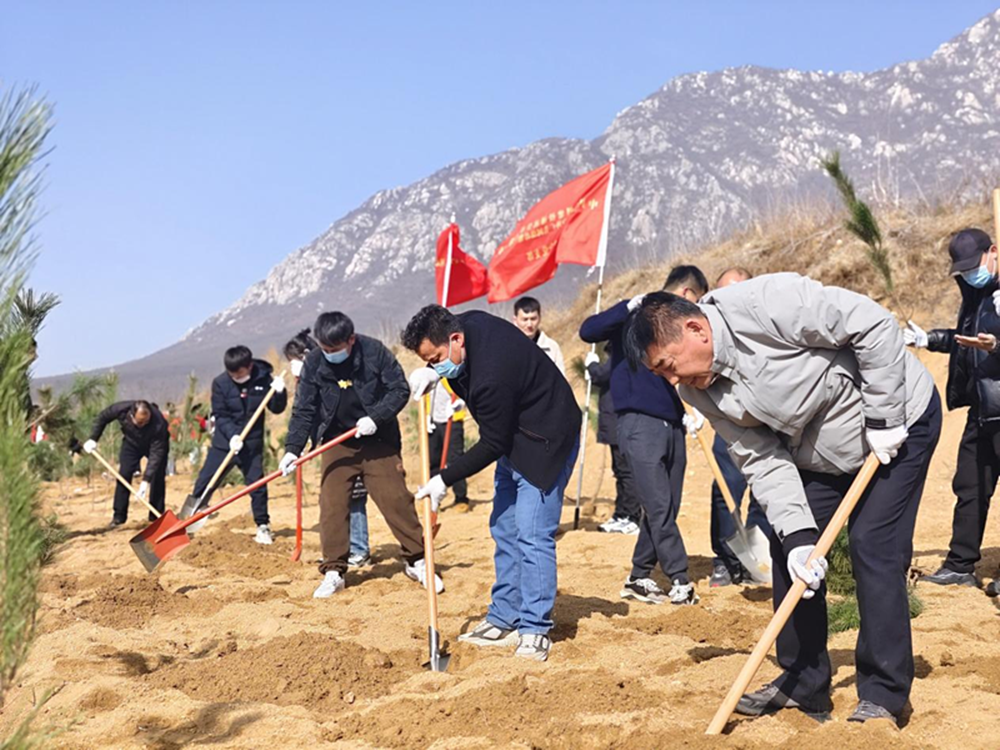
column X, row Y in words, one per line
column 153, row 553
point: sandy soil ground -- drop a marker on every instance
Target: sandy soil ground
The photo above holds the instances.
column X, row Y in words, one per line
column 224, row 646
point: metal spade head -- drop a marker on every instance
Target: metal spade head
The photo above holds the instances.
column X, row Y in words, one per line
column 151, row 549
column 438, row 661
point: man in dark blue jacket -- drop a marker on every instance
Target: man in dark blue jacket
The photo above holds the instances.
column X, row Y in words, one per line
column 236, row 394
column 529, row 423
column 973, row 381
column 651, row 435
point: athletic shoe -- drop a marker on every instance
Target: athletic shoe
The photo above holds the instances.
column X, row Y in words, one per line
column 628, row 526
column 769, row 700
column 946, row 577
column 993, row 588
column 682, row 593
column 611, row 526
column 533, row 646
column 720, row 577
column 332, row 583
column 358, row 560
column 418, row 572
column 264, row 535
column 643, row 589
column 867, row 710
column 488, row 634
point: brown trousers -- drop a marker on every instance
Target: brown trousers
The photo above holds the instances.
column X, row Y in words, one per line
column 381, row 468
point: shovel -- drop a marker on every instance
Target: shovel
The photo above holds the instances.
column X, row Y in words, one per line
column 192, row 503
column 750, row 546
column 163, row 520
column 798, row 588
column 153, row 547
column 297, row 552
column 438, row 661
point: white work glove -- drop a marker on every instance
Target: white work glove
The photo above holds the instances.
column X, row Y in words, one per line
column 456, row 406
column 885, row 444
column 436, row 490
column 90, row 446
column 296, row 366
column 366, row 426
column 278, row 384
column 813, row 574
column 996, row 301
column 914, row 335
column 235, row 443
column 635, row 302
column 422, row 380
column 143, row 490
column 591, row 359
column 430, row 425
column 287, row 464
column 693, row 421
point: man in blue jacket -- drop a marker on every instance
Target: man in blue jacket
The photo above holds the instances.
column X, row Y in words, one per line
column 236, row 394
column 651, row 435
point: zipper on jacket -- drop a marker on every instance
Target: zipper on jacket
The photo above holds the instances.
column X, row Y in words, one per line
column 534, row 436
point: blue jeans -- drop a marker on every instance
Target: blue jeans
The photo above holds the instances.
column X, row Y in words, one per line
column 523, row 525
column 359, row 522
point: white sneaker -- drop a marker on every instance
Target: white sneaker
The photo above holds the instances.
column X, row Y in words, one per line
column 332, row 583
column 534, row 646
column 626, row 526
column 418, row 572
column 682, row 593
column 611, row 526
column 264, row 535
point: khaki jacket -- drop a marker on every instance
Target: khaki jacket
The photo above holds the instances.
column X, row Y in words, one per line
column 802, row 369
column 552, row 350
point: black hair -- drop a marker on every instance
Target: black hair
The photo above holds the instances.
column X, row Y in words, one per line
column 528, row 305
column 333, row 328
column 433, row 323
column 689, row 276
column 658, row 320
column 140, row 405
column 237, row 357
column 299, row 345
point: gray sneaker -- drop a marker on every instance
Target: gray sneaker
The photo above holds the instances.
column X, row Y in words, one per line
column 358, row 560
column 867, row 710
column 488, row 634
column 533, row 646
column 644, row 590
column 946, row 577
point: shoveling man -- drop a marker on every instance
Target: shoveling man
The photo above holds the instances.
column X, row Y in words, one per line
column 802, row 390
column 145, row 434
column 351, row 381
column 236, row 394
column 529, row 424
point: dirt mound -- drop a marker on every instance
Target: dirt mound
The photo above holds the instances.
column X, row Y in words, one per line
column 726, row 628
column 307, row 669
column 527, row 709
column 132, row 601
column 987, row 669
column 99, row 700
column 236, row 552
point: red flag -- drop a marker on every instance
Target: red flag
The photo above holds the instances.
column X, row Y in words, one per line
column 467, row 279
column 563, row 227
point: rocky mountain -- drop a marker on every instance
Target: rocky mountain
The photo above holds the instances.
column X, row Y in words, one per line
column 705, row 154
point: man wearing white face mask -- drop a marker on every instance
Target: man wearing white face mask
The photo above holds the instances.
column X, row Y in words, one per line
column 236, row 394
column 529, row 423
column 353, row 381
column 973, row 381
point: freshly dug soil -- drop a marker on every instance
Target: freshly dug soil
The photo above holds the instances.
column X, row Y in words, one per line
column 132, row 601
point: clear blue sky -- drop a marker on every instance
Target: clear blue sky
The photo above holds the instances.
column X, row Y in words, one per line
column 198, row 143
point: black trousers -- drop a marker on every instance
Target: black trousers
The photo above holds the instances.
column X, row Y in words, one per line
column 128, row 464
column 456, row 447
column 626, row 497
column 881, row 540
column 976, row 473
column 250, row 461
column 657, row 455
column 723, row 527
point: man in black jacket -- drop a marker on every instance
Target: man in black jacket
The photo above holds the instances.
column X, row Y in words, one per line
column 236, row 394
column 145, row 434
column 351, row 381
column 529, row 424
column 973, row 381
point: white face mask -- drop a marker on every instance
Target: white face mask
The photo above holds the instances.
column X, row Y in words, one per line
column 241, row 381
column 296, row 366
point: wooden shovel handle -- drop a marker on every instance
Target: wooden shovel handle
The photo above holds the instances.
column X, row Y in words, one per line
column 425, row 477
column 717, row 473
column 996, row 215
column 127, row 485
column 784, row 611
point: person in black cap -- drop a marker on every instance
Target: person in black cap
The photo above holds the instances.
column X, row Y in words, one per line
column 973, row 381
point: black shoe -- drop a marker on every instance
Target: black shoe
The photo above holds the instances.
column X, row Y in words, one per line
column 769, row 700
column 115, row 523
column 720, row 576
column 993, row 587
column 867, row 710
column 946, row 577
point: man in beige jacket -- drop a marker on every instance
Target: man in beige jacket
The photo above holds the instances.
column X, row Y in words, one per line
column 802, row 380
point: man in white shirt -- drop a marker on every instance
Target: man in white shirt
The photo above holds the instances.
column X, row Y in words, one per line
column 528, row 317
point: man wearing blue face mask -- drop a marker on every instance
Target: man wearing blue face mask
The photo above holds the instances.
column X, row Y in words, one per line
column 350, row 381
column 529, row 423
column 973, row 381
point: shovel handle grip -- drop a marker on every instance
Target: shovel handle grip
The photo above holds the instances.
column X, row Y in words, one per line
column 126, row 485
column 258, row 484
column 784, row 611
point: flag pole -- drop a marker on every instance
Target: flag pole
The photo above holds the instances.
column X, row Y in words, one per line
column 447, row 267
column 602, row 257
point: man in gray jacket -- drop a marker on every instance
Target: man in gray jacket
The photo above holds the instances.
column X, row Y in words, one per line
column 801, row 381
